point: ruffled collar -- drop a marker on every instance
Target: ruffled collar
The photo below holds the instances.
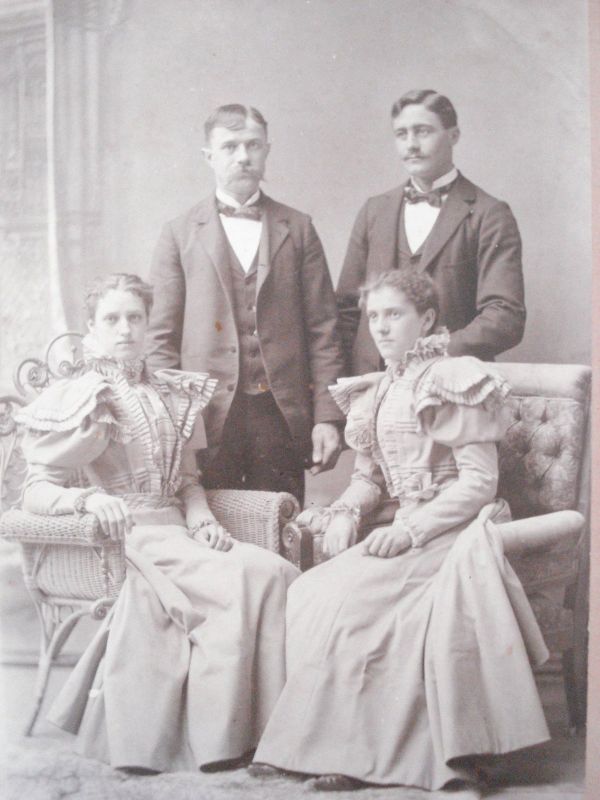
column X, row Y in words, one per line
column 132, row 369
column 424, row 348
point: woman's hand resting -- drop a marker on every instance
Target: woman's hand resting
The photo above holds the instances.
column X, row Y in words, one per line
column 386, row 542
column 340, row 535
column 208, row 531
column 112, row 513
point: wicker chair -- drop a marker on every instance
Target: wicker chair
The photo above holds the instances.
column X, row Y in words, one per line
column 70, row 568
column 544, row 466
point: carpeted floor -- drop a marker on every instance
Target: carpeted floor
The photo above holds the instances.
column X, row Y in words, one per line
column 43, row 769
column 44, row 766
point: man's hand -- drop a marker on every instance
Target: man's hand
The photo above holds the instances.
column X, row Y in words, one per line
column 386, row 542
column 327, row 446
column 340, row 535
column 112, row 514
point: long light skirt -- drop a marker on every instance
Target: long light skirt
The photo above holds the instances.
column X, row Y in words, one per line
column 397, row 666
column 188, row 665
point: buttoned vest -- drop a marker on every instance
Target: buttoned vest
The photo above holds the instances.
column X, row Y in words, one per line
column 253, row 376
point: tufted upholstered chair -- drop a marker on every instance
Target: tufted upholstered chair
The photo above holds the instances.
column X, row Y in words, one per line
column 544, row 466
column 70, row 568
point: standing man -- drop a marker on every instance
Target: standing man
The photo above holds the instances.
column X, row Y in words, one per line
column 243, row 292
column 440, row 222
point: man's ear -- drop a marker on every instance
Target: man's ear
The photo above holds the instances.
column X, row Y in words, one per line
column 90, row 325
column 454, row 134
column 207, row 153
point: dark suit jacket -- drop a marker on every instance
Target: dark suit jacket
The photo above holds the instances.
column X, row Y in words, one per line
column 473, row 253
column 192, row 323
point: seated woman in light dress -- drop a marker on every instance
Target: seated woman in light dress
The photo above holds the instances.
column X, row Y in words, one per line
column 187, row 666
column 409, row 653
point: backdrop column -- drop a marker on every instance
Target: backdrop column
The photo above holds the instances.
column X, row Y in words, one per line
column 79, row 35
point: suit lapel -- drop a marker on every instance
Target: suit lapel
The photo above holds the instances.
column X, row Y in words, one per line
column 386, row 233
column 212, row 238
column 275, row 231
column 457, row 206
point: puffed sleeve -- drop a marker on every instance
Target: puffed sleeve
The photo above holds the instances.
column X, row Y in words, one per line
column 356, row 398
column 460, row 405
column 67, row 427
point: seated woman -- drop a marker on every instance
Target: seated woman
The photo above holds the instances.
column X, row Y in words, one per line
column 409, row 653
column 187, row 666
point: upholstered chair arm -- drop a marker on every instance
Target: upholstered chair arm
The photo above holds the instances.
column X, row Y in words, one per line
column 539, row 533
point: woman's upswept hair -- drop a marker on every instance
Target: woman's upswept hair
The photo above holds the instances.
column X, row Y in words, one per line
column 124, row 282
column 418, row 287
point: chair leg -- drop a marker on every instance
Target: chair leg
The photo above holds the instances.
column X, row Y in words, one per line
column 49, row 651
column 575, row 703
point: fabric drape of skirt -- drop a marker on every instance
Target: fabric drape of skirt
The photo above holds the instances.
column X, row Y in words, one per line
column 397, row 666
column 188, row 664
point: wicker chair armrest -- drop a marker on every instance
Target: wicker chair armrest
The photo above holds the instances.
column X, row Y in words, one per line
column 560, row 528
column 253, row 517
column 25, row 527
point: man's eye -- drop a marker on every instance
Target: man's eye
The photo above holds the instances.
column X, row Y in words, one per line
column 396, row 314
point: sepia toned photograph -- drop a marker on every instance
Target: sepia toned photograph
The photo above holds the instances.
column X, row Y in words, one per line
column 295, row 397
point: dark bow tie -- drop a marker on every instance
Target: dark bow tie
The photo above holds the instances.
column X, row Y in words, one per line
column 253, row 211
column 433, row 198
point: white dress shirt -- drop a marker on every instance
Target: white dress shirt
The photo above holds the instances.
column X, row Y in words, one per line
column 419, row 218
column 243, row 234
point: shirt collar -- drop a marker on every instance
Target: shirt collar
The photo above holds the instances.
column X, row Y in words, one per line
column 443, row 181
column 231, row 201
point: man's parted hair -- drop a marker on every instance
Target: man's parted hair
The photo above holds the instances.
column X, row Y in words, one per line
column 233, row 117
column 418, row 287
column 122, row 281
column 433, row 101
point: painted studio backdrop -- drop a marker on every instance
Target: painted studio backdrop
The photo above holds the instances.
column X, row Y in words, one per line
column 101, row 125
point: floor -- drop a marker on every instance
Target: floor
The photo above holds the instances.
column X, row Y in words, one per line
column 43, row 767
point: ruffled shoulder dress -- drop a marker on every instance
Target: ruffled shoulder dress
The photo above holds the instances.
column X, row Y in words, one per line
column 189, row 662
column 400, row 668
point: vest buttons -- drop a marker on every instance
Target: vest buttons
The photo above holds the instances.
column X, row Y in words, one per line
column 230, row 387
column 233, row 349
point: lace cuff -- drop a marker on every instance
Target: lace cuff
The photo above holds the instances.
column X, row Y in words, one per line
column 418, row 537
column 350, row 511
